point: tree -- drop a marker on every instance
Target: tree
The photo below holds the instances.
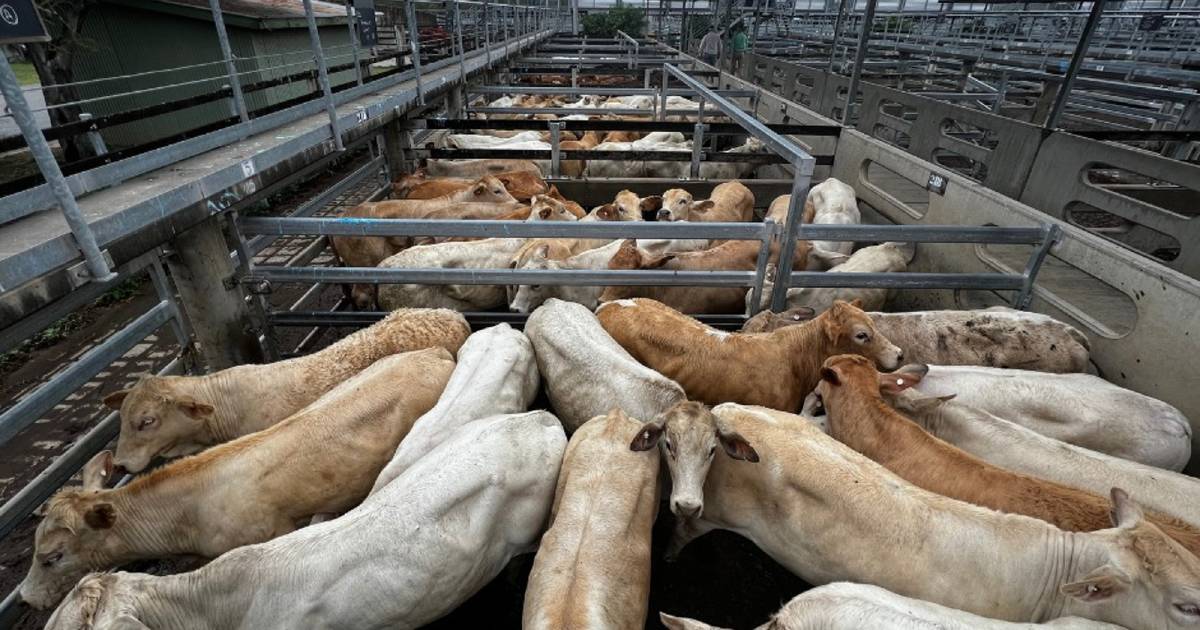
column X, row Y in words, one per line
column 621, row 17
column 53, row 62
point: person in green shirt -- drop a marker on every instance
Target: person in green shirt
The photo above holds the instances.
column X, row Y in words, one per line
column 741, row 43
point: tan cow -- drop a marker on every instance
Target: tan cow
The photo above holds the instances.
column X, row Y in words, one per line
column 851, row 390
column 829, row 514
column 520, row 184
column 626, row 206
column 592, row 568
column 321, row 460
column 728, row 202
column 775, row 370
column 172, row 416
column 575, row 168
column 485, row 199
column 726, row 256
column 478, row 168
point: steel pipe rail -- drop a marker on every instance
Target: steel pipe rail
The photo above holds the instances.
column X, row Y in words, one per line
column 592, row 154
column 711, row 128
column 343, row 226
column 438, row 275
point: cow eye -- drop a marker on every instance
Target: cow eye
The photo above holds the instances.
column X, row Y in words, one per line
column 146, row 423
column 52, row 559
column 535, row 287
column 1188, row 609
column 670, row 447
column 712, row 451
column 862, row 336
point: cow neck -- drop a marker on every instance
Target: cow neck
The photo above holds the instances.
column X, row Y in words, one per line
column 151, row 522
column 807, row 347
column 199, row 600
column 859, row 419
column 224, row 391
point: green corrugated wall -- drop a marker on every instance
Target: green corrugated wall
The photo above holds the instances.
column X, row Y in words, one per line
column 121, row 40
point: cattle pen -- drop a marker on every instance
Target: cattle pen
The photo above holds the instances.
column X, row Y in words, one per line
column 1046, row 161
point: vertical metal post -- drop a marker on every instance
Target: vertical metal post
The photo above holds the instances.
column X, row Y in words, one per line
column 791, row 232
column 410, row 18
column 574, row 17
column 760, row 267
column 662, row 96
column 860, row 56
column 314, row 40
column 351, row 16
column 462, row 52
column 487, row 34
column 96, row 265
column 555, row 153
column 837, row 31
column 162, row 287
column 1081, row 49
column 697, row 141
column 239, row 100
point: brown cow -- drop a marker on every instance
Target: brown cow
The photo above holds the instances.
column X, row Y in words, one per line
column 850, row 390
column 726, row 256
column 775, row 370
column 728, row 202
column 574, row 168
column 767, row 321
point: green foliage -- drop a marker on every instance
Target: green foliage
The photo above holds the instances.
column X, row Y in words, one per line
column 26, row 75
column 621, row 17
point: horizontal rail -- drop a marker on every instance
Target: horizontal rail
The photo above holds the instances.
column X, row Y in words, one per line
column 711, row 128
column 438, row 275
column 595, row 91
column 479, row 319
column 345, row 226
column 682, row 155
column 983, row 281
column 41, row 400
column 570, row 111
column 923, row 233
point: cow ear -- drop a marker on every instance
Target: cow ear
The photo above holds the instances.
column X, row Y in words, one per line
column 1099, row 585
column 703, row 206
column 831, row 376
column 735, row 445
column 902, row 379
column 100, row 516
column 802, row 313
column 672, row 622
column 194, row 408
column 114, row 400
column 97, row 471
column 544, row 213
column 856, row 303
column 649, row 435
column 480, row 189
column 606, row 212
column 1125, row 512
column 650, row 204
column 829, row 259
column 657, row 262
column 542, row 252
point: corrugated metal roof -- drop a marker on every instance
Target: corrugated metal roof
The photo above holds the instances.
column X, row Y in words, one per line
column 266, row 9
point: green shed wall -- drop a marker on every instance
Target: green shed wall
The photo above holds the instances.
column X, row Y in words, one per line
column 123, row 40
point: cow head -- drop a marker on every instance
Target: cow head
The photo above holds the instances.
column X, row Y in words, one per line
column 526, row 297
column 627, row 206
column 848, row 329
column 159, row 417
column 490, row 189
column 77, row 524
column 689, row 434
column 678, row 205
column 402, row 186
column 547, row 208
column 99, row 600
column 1136, row 573
column 522, row 184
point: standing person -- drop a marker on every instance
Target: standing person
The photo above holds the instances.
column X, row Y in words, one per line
column 710, row 46
column 741, row 43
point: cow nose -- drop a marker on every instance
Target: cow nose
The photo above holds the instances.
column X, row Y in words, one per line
column 664, row 215
column 900, row 356
column 686, row 508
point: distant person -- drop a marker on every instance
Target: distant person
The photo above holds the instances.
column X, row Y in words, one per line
column 710, row 46
column 741, row 44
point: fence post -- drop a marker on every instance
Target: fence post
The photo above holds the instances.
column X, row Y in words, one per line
column 487, row 34
column 216, row 308
column 239, row 100
column 314, row 41
column 860, row 57
column 462, row 52
column 97, row 266
column 351, row 17
column 414, row 45
column 1081, row 49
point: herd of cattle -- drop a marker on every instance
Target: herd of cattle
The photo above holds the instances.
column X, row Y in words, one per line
column 955, row 495
column 949, row 469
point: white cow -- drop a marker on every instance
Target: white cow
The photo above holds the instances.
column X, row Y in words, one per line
column 492, row 253
column 832, row 202
column 587, row 373
column 496, row 374
column 655, row 141
column 829, row 514
column 849, row 606
column 528, row 297
column 1014, row 447
column 480, row 141
column 407, row 556
column 887, row 257
column 1080, row 409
